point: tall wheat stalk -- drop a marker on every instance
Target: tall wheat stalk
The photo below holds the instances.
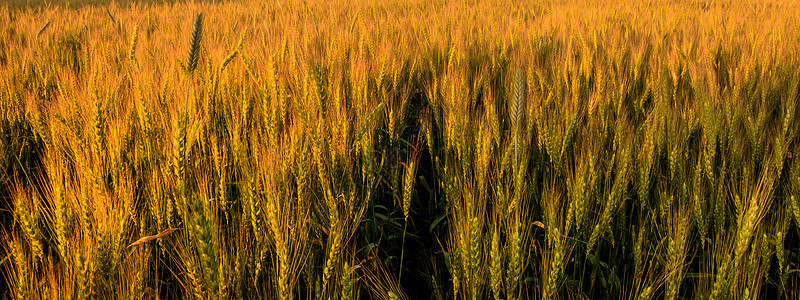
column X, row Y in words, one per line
column 191, row 65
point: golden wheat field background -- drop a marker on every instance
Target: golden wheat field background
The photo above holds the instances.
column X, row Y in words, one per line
column 412, row 149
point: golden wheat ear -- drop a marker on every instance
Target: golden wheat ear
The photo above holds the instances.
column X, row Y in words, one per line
column 517, row 107
column 194, row 49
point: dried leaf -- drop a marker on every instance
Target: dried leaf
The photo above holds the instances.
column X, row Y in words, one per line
column 148, row 238
column 353, row 268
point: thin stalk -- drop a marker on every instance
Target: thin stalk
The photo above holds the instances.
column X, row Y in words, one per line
column 185, row 114
column 402, row 252
column 191, row 65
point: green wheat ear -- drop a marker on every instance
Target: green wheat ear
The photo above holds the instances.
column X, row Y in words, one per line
column 194, row 49
column 191, row 65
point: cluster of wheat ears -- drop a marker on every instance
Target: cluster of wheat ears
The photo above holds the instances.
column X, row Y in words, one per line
column 401, row 150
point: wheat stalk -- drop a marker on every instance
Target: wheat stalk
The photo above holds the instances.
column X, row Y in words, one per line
column 191, row 65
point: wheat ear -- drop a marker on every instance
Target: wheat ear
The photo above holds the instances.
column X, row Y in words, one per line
column 191, row 65
column 517, row 107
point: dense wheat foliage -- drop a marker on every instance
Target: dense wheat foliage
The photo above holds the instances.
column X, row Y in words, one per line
column 415, row 149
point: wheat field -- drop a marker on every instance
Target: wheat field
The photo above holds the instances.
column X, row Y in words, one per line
column 412, row 149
